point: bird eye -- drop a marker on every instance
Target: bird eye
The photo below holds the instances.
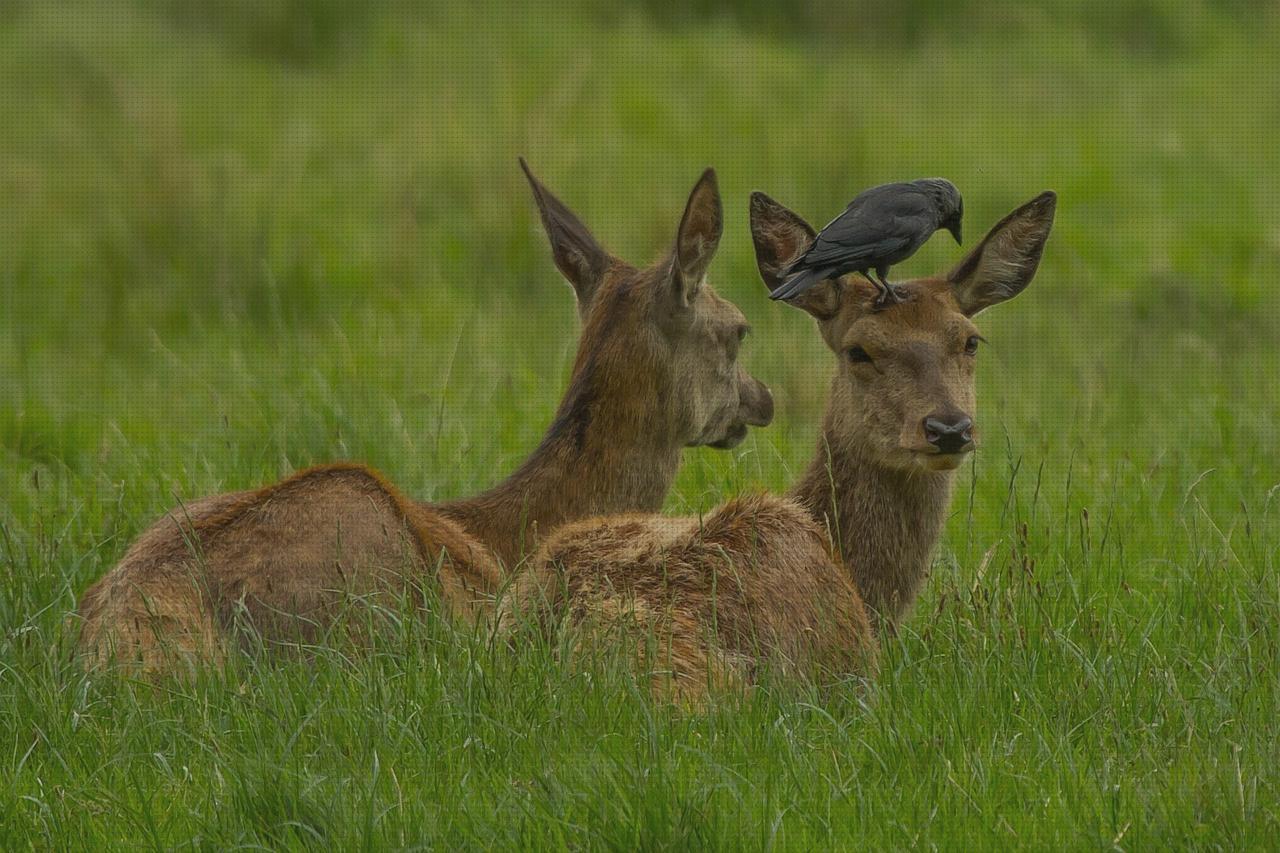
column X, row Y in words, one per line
column 858, row 355
column 971, row 345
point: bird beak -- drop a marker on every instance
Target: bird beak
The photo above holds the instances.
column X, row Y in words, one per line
column 955, row 232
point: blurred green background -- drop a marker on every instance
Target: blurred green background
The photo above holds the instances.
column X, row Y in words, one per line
column 238, row 237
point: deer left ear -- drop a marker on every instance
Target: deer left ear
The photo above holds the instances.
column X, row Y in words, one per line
column 1006, row 260
column 698, row 238
column 579, row 257
column 781, row 237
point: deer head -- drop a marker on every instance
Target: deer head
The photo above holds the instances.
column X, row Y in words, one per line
column 905, row 387
column 658, row 343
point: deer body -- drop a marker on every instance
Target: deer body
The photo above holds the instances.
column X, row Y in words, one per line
column 794, row 582
column 704, row 602
column 285, row 558
column 655, row 371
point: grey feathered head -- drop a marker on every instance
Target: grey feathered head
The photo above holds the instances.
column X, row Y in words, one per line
column 950, row 204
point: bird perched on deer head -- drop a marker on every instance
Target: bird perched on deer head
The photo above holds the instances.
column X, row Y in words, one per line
column 883, row 226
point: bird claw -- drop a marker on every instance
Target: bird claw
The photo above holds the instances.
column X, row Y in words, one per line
column 889, row 295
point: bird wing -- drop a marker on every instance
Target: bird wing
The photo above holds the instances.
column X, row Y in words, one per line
column 861, row 234
column 800, row 282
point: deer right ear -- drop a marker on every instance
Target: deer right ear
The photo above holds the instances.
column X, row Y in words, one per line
column 781, row 237
column 1003, row 264
column 698, row 238
column 577, row 254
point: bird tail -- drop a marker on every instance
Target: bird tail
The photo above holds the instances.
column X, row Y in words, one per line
column 799, row 282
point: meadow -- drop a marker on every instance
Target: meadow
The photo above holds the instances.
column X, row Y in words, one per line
column 239, row 238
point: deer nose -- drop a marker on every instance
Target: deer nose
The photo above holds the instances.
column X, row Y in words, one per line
column 756, row 404
column 949, row 433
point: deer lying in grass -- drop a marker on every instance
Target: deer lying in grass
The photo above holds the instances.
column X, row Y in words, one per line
column 784, row 580
column 656, row 370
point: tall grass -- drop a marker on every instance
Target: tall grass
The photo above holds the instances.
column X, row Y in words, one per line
column 236, row 239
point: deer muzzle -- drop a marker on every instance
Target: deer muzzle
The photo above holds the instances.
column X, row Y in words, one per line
column 951, row 433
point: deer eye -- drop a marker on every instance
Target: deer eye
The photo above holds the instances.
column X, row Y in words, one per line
column 971, row 345
column 743, row 330
column 858, row 355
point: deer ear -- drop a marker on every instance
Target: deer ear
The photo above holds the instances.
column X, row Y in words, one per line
column 781, row 237
column 1003, row 264
column 578, row 256
column 698, row 238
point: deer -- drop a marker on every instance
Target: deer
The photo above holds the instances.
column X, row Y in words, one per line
column 656, row 370
column 811, row 580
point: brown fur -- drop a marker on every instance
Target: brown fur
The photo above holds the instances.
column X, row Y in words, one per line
column 707, row 602
column 769, row 579
column 610, row 452
column 656, row 371
column 285, row 558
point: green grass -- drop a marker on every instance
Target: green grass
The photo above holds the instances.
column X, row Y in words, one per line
column 238, row 240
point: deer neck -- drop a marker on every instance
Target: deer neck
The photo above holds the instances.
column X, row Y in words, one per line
column 885, row 521
column 601, row 455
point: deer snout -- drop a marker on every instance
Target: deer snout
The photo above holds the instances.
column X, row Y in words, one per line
column 755, row 402
column 950, row 433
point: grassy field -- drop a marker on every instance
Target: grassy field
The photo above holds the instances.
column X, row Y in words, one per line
column 239, row 238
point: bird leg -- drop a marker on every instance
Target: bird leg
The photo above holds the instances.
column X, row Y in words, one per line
column 888, row 293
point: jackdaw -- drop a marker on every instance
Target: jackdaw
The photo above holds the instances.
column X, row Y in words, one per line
column 881, row 227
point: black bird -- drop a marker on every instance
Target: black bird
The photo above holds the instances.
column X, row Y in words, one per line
column 881, row 227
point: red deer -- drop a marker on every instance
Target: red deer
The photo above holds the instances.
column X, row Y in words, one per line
column 784, row 580
column 656, row 370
